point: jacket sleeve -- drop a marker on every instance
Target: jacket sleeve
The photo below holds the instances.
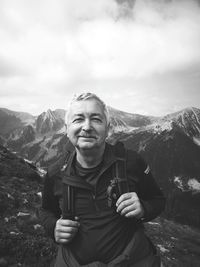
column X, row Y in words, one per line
column 149, row 193
column 50, row 211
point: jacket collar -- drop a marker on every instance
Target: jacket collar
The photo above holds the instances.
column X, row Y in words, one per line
column 70, row 178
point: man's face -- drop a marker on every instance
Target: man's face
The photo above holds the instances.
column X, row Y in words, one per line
column 86, row 126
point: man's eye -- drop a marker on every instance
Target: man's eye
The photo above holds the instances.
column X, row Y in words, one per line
column 77, row 120
column 97, row 119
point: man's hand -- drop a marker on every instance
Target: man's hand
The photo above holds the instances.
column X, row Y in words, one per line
column 65, row 230
column 130, row 206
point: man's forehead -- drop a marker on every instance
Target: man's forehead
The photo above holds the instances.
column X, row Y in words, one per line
column 86, row 106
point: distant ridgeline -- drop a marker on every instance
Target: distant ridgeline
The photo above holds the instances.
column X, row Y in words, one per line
column 170, row 144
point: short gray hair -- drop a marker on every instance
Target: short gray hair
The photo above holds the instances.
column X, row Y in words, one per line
column 86, row 96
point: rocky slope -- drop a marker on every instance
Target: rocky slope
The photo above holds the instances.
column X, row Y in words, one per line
column 23, row 241
column 171, row 148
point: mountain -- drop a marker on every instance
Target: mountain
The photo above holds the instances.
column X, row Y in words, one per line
column 132, row 120
column 21, row 136
column 8, row 123
column 60, row 113
column 13, row 120
column 188, row 121
column 24, row 117
column 33, row 140
column 49, row 121
column 123, row 122
column 171, row 148
column 170, row 145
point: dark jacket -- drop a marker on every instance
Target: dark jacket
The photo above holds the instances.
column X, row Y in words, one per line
column 103, row 233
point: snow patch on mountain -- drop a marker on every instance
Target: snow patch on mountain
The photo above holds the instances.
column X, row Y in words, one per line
column 191, row 184
column 40, row 171
column 28, row 161
column 178, row 182
column 153, row 223
column 196, row 140
column 160, row 126
column 163, row 249
column 194, row 184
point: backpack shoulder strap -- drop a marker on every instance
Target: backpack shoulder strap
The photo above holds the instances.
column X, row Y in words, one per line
column 120, row 167
column 68, row 207
column 119, row 184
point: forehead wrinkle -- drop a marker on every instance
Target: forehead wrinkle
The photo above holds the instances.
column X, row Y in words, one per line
column 83, row 108
column 88, row 113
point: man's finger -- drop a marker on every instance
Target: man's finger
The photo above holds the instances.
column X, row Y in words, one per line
column 124, row 204
column 128, row 209
column 66, row 229
column 125, row 197
column 69, row 223
column 63, row 235
column 133, row 213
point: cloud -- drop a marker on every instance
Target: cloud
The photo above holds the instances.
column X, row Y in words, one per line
column 7, row 68
column 64, row 36
column 53, row 47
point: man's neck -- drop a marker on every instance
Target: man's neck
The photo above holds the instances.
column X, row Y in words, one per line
column 90, row 158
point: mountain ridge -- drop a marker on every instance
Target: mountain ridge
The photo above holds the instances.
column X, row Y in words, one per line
column 170, row 144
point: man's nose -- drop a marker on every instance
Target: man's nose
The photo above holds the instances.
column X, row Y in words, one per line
column 87, row 125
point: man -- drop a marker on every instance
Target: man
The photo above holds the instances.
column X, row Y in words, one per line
column 99, row 233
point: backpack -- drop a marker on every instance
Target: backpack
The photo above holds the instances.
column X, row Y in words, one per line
column 118, row 185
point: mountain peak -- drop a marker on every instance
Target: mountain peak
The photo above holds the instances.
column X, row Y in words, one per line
column 49, row 115
column 183, row 112
column 186, row 120
column 48, row 121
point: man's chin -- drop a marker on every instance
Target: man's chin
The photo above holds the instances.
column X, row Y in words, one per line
column 87, row 145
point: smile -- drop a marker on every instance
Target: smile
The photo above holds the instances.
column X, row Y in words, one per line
column 87, row 137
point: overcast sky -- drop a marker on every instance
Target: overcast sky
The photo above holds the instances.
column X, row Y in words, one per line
column 140, row 56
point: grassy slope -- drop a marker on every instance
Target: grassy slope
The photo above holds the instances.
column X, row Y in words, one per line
column 179, row 245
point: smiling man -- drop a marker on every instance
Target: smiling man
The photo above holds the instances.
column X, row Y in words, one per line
column 97, row 196
column 87, row 129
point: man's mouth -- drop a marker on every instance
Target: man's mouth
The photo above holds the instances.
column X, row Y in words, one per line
column 87, row 136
